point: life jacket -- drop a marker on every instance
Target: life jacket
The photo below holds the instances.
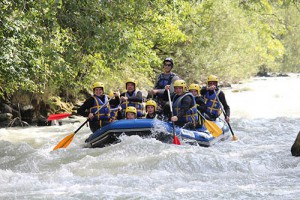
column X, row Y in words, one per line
column 114, row 112
column 137, row 105
column 163, row 81
column 191, row 115
column 212, row 103
column 148, row 116
column 104, row 112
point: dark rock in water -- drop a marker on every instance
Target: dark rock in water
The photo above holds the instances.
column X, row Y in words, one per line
column 282, row 75
column 296, row 146
column 27, row 113
column 42, row 121
column 5, row 117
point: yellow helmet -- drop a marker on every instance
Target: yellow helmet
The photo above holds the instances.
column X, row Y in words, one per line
column 194, row 86
column 98, row 85
column 180, row 83
column 151, row 103
column 130, row 109
column 130, row 80
column 111, row 94
column 212, row 78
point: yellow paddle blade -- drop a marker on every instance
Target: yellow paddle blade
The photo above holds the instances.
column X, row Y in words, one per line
column 213, row 128
column 64, row 143
column 234, row 138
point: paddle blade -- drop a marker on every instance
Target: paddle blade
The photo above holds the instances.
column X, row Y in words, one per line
column 176, row 140
column 213, row 128
column 234, row 138
column 64, row 143
column 58, row 116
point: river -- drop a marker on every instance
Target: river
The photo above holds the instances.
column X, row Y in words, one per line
column 265, row 118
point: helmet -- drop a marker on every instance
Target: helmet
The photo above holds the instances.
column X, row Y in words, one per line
column 169, row 60
column 130, row 109
column 130, row 80
column 212, row 78
column 194, row 86
column 180, row 83
column 151, row 103
column 111, row 94
column 98, row 85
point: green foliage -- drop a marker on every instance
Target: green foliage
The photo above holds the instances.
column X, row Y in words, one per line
column 60, row 47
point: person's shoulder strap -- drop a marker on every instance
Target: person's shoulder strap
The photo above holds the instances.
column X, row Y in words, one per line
column 159, row 77
column 171, row 77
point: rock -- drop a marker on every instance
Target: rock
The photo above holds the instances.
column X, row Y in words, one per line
column 296, row 146
column 5, row 117
column 7, row 109
column 42, row 121
column 27, row 113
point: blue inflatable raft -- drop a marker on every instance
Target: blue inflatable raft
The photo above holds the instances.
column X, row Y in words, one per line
column 161, row 130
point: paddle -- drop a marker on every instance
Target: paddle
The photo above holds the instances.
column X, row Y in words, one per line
column 64, row 143
column 233, row 136
column 175, row 140
column 213, row 128
column 58, row 116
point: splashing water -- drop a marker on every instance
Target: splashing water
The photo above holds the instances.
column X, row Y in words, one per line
column 265, row 118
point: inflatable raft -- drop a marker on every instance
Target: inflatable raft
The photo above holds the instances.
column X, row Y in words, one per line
column 161, row 130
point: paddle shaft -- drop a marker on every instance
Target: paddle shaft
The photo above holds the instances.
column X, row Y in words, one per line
column 171, row 110
column 175, row 139
column 223, row 111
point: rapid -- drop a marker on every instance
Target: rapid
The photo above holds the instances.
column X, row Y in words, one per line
column 265, row 114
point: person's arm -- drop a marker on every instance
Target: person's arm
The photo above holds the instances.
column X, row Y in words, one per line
column 201, row 104
column 165, row 96
column 115, row 101
column 224, row 103
column 84, row 109
column 203, row 91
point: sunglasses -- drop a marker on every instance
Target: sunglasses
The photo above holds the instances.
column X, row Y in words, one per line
column 169, row 65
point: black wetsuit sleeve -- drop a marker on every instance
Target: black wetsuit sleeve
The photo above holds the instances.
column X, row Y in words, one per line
column 203, row 91
column 186, row 104
column 165, row 96
column 201, row 104
column 224, row 103
column 84, row 109
column 122, row 94
column 114, row 102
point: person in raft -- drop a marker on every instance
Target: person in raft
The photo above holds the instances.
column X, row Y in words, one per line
column 131, row 97
column 163, row 79
column 194, row 89
column 184, row 105
column 131, row 112
column 90, row 108
column 210, row 94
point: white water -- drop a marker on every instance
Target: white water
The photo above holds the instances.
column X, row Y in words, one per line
column 258, row 165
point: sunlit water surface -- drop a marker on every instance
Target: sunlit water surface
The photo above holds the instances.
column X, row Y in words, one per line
column 259, row 165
